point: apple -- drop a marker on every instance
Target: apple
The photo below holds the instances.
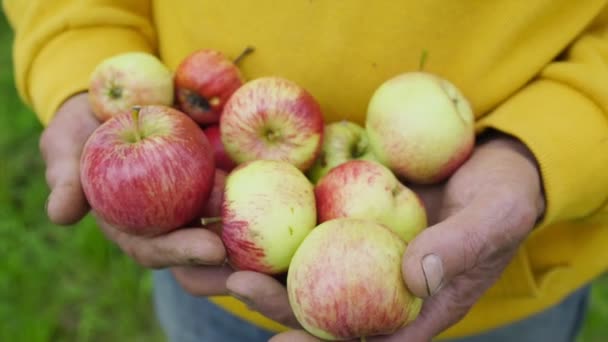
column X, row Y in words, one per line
column 268, row 209
column 421, row 126
column 204, row 81
column 211, row 214
column 342, row 141
column 369, row 190
column 129, row 79
column 222, row 159
column 147, row 172
column 272, row 118
column 345, row 281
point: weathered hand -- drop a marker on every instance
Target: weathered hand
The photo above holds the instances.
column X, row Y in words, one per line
column 479, row 217
column 61, row 145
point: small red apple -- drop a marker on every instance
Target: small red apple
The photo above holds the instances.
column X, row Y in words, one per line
column 222, row 159
column 204, row 81
column 213, row 208
column 147, row 172
column 272, row 118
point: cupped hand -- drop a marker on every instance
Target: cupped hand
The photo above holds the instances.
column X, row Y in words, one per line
column 197, row 254
column 479, row 218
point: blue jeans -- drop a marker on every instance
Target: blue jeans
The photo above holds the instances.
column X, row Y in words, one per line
column 185, row 318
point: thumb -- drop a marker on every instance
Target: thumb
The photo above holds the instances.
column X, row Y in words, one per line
column 61, row 145
column 475, row 235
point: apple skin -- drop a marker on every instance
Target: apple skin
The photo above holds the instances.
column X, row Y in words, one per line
column 222, row 159
column 272, row 118
column 345, row 281
column 420, row 126
column 342, row 141
column 204, row 81
column 268, row 209
column 129, row 79
column 148, row 186
column 213, row 207
column 368, row 190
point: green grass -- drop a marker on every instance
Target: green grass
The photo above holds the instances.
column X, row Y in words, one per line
column 70, row 284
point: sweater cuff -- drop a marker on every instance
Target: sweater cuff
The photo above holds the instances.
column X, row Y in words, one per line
column 63, row 67
column 568, row 135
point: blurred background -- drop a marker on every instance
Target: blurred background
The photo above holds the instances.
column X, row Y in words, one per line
column 69, row 283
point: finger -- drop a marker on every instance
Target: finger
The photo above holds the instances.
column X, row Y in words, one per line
column 486, row 229
column 294, row 336
column 61, row 145
column 203, row 281
column 264, row 294
column 190, row 246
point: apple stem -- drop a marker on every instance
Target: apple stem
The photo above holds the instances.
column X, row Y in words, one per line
column 210, row 220
column 423, row 58
column 135, row 116
column 243, row 54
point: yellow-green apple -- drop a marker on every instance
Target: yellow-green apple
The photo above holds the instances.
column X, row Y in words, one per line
column 222, row 159
column 421, row 126
column 345, row 281
column 342, row 141
column 129, row 79
column 368, row 190
column 147, row 172
column 268, row 209
column 272, row 118
column 204, row 81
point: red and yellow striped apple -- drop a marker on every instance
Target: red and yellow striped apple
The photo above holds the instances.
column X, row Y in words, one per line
column 368, row 190
column 421, row 126
column 129, row 79
column 268, row 209
column 345, row 281
column 147, row 172
column 272, row 118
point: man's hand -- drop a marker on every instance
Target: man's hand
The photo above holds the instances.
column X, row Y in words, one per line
column 197, row 253
column 479, row 218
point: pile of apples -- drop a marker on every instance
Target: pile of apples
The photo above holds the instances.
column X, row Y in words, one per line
column 324, row 202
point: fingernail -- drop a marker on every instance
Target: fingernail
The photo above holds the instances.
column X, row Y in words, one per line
column 245, row 300
column 432, row 267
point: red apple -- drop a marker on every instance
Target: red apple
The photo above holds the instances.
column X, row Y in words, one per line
column 147, row 172
column 204, row 81
column 222, row 159
column 212, row 211
column 367, row 189
column 345, row 281
column 272, row 118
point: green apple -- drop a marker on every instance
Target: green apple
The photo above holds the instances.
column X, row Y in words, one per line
column 267, row 210
column 367, row 189
column 342, row 141
column 345, row 281
column 421, row 126
column 130, row 79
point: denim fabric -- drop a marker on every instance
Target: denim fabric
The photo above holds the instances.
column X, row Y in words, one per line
column 185, row 318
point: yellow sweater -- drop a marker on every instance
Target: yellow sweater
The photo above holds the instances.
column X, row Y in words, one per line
column 536, row 69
